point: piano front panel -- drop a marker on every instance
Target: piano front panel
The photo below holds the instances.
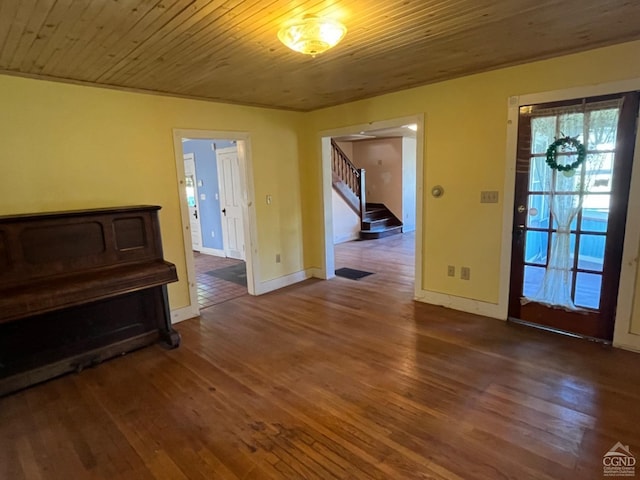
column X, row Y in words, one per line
column 130, row 233
column 62, row 243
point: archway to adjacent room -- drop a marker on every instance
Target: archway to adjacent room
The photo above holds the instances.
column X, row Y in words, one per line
column 218, row 253
column 372, row 147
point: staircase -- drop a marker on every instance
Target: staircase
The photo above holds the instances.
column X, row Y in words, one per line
column 376, row 220
column 379, row 222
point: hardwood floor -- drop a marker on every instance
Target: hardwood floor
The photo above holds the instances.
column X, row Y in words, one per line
column 334, row 379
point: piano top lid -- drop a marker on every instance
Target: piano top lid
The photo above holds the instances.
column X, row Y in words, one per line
column 78, row 213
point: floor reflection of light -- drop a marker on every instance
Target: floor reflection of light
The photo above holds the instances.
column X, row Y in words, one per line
column 568, row 388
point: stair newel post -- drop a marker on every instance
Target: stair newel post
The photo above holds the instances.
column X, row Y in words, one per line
column 363, row 197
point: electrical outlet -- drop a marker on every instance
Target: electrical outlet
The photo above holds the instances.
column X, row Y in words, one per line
column 277, row 258
column 465, row 273
column 489, row 196
column 451, row 271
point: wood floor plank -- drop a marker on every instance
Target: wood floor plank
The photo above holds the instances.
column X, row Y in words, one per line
column 336, row 379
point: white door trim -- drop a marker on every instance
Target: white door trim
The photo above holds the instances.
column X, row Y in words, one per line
column 249, row 221
column 622, row 336
column 328, row 267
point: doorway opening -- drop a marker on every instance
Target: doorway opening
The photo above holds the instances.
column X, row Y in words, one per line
column 214, row 191
column 372, row 178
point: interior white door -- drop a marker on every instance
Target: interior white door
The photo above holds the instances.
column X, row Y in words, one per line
column 231, row 202
column 191, row 185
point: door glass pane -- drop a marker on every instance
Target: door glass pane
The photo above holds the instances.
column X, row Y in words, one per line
column 588, row 287
column 600, row 169
column 574, row 222
column 536, row 247
column 572, row 245
column 538, row 213
column 595, row 213
column 568, row 181
column 603, row 128
column 571, row 125
column 591, row 252
column 539, row 175
column 191, row 191
column 532, row 280
column 543, row 131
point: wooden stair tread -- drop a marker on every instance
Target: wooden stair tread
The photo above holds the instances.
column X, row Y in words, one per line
column 380, row 233
column 379, row 222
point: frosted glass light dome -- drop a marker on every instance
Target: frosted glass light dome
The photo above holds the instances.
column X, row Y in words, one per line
column 312, row 34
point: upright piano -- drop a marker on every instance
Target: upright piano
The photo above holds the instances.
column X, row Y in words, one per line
column 79, row 287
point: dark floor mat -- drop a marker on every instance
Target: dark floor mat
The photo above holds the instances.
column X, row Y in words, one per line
column 352, row 274
column 235, row 273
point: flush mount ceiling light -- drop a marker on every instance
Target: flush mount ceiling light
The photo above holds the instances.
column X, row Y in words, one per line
column 312, row 34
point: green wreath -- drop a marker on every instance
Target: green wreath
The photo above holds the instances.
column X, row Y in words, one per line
column 552, row 154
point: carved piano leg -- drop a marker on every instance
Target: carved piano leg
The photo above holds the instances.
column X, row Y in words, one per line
column 170, row 337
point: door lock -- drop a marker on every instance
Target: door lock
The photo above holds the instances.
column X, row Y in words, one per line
column 519, row 230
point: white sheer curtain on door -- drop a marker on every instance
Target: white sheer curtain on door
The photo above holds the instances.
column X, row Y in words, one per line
column 595, row 125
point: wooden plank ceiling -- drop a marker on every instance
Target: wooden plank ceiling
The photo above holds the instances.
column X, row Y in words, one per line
column 227, row 50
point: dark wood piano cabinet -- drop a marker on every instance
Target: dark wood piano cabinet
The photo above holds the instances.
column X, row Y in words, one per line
column 77, row 288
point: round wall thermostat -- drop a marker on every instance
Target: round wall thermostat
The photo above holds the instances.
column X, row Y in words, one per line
column 437, row 191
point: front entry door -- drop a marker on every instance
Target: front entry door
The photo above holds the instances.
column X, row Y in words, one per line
column 231, row 202
column 569, row 226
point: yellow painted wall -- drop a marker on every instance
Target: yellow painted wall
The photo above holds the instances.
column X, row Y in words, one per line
column 381, row 159
column 464, row 150
column 65, row 146
column 70, row 147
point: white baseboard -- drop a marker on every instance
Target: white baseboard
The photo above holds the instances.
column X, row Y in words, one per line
column 316, row 273
column 281, row 282
column 468, row 305
column 185, row 313
column 629, row 342
column 624, row 346
column 212, row 251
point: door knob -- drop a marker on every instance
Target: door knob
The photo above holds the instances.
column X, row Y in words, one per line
column 521, row 208
column 195, row 214
column 224, row 210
